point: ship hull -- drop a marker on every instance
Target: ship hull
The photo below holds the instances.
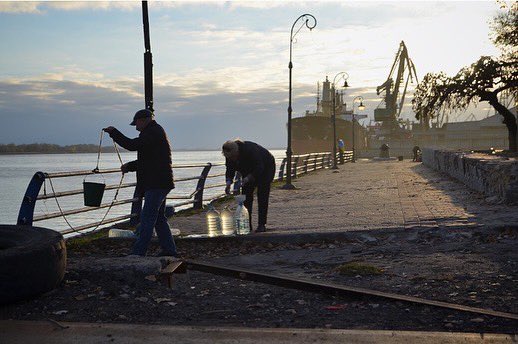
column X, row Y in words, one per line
column 312, row 134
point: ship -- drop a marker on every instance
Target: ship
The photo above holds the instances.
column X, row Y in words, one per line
column 313, row 132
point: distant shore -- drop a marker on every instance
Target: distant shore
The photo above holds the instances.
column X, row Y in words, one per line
column 45, row 148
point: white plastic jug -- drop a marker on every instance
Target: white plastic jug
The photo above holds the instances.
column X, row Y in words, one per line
column 213, row 222
column 241, row 217
column 120, row 233
column 227, row 222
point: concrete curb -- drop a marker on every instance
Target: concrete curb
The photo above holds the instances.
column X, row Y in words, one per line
column 14, row 332
column 312, row 237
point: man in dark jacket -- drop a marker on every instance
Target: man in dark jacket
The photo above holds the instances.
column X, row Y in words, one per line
column 154, row 179
column 257, row 166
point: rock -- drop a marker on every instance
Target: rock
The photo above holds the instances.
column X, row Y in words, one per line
column 368, row 238
column 162, row 299
column 142, row 299
column 477, row 320
column 356, row 249
column 64, row 311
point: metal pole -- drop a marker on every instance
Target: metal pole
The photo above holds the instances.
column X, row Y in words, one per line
column 361, row 103
column 335, row 166
column 288, row 185
column 345, row 77
column 289, row 153
column 354, row 159
column 148, row 60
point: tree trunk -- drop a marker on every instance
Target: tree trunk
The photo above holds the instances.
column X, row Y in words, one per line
column 509, row 121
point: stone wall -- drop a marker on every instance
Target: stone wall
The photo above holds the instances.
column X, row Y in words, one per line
column 494, row 176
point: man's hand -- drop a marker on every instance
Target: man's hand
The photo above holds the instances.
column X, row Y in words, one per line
column 124, row 168
column 109, row 129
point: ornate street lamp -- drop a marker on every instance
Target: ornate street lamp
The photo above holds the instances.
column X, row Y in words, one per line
column 310, row 26
column 345, row 76
column 361, row 107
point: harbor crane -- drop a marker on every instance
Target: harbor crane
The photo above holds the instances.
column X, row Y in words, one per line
column 392, row 99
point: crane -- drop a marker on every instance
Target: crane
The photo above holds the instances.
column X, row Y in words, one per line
column 392, row 98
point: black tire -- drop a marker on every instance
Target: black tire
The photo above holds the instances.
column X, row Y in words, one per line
column 32, row 261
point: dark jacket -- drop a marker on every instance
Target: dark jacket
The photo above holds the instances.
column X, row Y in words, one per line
column 153, row 164
column 253, row 159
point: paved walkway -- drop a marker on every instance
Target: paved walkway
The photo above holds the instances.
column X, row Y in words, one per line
column 370, row 195
column 84, row 333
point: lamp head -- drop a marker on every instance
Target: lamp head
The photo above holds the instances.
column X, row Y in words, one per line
column 361, row 107
column 345, row 84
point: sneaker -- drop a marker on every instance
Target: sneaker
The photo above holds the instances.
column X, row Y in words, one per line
column 260, row 229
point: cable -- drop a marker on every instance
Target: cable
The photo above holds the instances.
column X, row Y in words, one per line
column 96, row 170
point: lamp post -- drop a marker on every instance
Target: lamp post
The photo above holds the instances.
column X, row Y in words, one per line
column 361, row 107
column 345, row 76
column 307, row 17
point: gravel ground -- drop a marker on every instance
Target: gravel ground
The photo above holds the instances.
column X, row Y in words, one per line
column 475, row 267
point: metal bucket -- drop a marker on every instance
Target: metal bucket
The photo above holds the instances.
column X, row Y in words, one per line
column 93, row 193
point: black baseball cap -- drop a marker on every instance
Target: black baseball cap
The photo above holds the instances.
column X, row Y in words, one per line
column 144, row 113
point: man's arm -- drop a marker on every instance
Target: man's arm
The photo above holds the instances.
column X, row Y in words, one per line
column 137, row 143
column 229, row 174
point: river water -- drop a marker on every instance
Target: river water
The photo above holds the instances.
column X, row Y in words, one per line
column 17, row 170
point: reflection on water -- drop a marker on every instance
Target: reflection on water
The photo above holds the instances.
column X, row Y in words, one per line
column 17, row 171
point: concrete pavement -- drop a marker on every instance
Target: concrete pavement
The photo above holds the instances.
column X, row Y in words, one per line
column 370, row 195
column 22, row 332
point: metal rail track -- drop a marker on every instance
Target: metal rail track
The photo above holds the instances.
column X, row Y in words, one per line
column 333, row 289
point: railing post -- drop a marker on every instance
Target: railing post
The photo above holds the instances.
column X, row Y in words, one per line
column 306, row 163
column 281, row 169
column 26, row 213
column 315, row 162
column 198, row 197
column 294, row 168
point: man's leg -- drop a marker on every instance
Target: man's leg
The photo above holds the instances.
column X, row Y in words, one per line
column 164, row 232
column 248, row 190
column 153, row 200
column 263, row 195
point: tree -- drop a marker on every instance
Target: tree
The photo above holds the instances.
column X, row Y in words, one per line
column 505, row 30
column 484, row 80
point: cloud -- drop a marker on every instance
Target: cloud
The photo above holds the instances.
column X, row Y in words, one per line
column 58, row 110
column 40, row 7
column 20, row 7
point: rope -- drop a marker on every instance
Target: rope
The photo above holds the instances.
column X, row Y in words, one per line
column 96, row 170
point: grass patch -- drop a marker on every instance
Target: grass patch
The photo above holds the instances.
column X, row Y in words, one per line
column 84, row 240
column 358, row 268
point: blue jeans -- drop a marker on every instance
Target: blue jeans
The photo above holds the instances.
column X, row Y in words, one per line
column 152, row 216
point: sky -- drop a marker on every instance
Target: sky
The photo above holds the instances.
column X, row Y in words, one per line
column 68, row 69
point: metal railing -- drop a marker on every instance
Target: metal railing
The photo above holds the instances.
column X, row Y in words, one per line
column 301, row 164
column 32, row 195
